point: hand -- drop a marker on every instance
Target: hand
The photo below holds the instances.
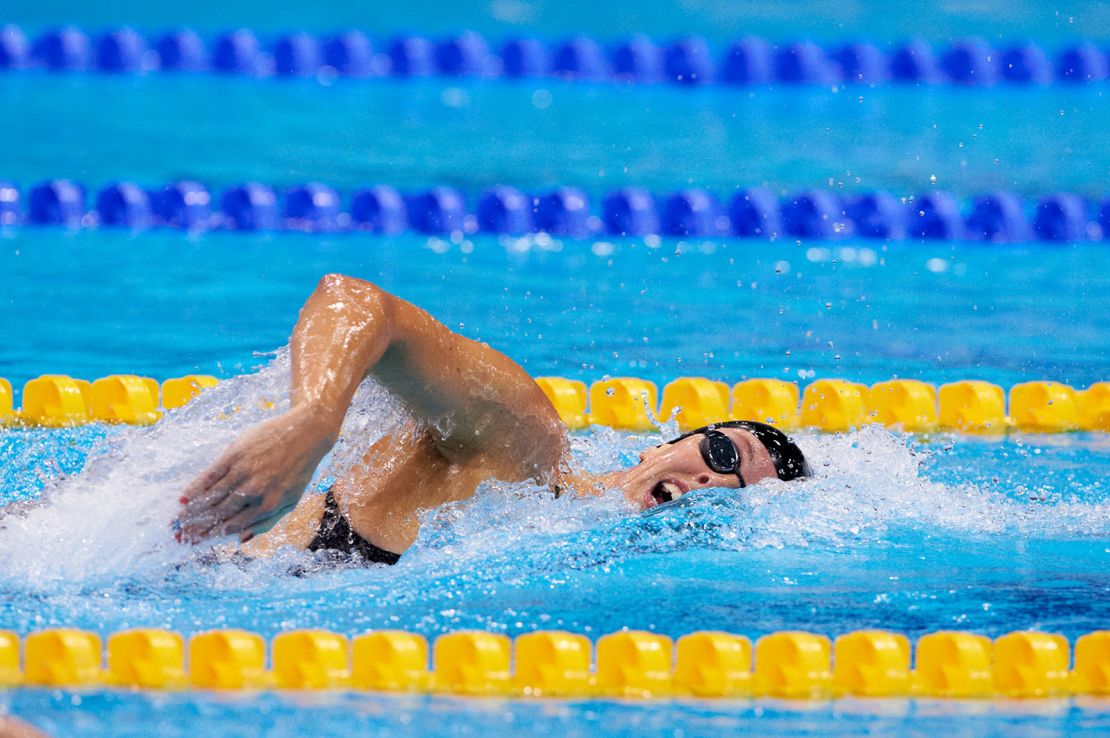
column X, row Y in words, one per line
column 259, row 478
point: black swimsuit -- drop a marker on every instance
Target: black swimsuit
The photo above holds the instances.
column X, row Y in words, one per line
column 335, row 534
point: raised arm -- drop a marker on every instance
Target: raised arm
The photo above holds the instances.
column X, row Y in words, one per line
column 343, row 330
column 348, row 329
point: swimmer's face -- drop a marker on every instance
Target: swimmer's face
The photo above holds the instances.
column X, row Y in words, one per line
column 669, row 471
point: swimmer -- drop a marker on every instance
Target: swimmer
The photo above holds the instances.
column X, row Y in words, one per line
column 13, row 728
column 478, row 415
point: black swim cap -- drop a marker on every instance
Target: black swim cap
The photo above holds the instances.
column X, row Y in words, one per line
column 790, row 462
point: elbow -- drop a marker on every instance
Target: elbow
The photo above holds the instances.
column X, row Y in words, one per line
column 344, row 287
column 356, row 294
column 335, row 283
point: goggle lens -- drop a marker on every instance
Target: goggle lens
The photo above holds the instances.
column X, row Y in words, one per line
column 721, row 454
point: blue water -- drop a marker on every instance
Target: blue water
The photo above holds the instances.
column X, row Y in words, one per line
column 537, row 134
column 911, row 534
column 164, row 304
column 1047, row 22
column 374, row 715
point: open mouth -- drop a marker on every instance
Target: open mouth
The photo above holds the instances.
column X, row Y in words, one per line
column 665, row 491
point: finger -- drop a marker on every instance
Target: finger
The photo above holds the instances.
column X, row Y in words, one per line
column 215, row 493
column 231, row 506
column 220, row 505
column 238, row 522
column 201, row 512
column 208, row 499
column 237, row 499
column 196, row 530
column 206, row 481
column 189, row 527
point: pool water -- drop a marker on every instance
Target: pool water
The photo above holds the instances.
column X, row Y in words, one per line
column 173, row 715
column 913, row 534
column 909, row 534
column 541, row 133
column 164, row 304
column 720, row 22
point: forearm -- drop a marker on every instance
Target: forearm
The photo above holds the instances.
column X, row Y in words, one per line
column 343, row 330
column 349, row 329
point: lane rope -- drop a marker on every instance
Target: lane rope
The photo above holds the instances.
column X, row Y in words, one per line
column 685, row 61
column 632, row 404
column 626, row 664
column 565, row 212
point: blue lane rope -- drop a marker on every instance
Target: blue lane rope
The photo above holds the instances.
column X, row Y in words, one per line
column 565, row 211
column 689, row 61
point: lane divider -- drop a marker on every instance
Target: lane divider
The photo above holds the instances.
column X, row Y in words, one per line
column 565, row 212
column 56, row 400
column 627, row 664
column 686, row 61
column 632, row 404
column 832, row 405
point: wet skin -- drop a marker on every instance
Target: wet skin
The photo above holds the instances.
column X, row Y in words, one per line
column 669, row 471
column 476, row 415
column 13, row 728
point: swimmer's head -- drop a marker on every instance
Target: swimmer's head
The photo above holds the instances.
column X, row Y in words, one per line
column 728, row 454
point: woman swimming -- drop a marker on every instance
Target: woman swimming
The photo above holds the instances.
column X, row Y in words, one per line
column 478, row 416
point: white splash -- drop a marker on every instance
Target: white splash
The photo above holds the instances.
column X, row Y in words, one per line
column 868, row 491
column 115, row 518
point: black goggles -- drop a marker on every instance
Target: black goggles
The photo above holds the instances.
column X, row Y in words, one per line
column 718, row 451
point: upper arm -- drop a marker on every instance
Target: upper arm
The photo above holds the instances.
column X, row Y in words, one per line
column 439, row 372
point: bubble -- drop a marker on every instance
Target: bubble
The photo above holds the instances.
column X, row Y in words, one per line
column 936, row 265
column 541, row 99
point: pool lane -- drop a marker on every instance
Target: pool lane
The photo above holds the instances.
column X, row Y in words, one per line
column 778, row 19
column 221, row 131
column 400, row 716
column 163, row 304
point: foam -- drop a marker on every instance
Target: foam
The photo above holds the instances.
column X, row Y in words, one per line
column 868, row 490
column 115, row 517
